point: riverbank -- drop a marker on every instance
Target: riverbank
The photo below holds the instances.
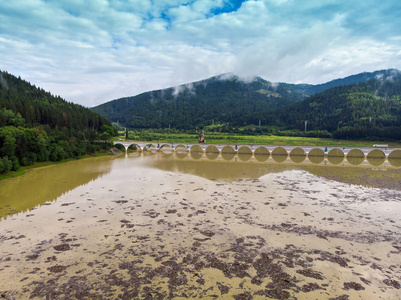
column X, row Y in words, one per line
column 22, row 170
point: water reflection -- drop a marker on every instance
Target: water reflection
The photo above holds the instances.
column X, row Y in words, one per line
column 316, row 156
column 376, row 157
column 218, row 167
column 245, row 156
column 376, row 161
column 181, row 155
column 262, row 154
column 395, row 158
column 45, row 184
column 212, row 155
column 316, row 159
column 196, row 155
column 279, row 158
column 233, row 166
column 335, row 160
column 298, row 155
column 228, row 156
column 353, row 160
column 261, row 158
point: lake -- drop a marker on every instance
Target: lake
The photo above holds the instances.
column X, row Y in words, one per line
column 178, row 225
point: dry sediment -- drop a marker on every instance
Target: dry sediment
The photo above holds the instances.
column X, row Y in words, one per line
column 163, row 235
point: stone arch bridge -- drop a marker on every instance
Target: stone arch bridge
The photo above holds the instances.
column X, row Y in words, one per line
column 378, row 152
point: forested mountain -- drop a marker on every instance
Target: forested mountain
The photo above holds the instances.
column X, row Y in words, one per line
column 37, row 126
column 363, row 110
column 220, row 99
column 39, row 107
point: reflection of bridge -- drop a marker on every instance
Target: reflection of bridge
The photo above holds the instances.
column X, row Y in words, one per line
column 298, row 152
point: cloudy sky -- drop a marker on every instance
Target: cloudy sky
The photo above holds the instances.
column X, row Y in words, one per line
column 92, row 51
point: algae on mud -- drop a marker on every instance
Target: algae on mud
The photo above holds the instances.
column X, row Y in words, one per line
column 161, row 226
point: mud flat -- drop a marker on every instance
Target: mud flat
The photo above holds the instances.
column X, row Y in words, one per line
column 145, row 233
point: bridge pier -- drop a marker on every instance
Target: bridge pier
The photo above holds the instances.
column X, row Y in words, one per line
column 378, row 155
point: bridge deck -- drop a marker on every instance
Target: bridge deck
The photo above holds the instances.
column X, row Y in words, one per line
column 264, row 149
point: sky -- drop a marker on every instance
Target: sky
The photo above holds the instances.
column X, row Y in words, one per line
column 93, row 51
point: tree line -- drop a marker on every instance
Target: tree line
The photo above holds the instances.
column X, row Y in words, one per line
column 365, row 110
column 36, row 126
column 362, row 106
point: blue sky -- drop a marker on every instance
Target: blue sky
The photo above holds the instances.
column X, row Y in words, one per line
column 93, row 51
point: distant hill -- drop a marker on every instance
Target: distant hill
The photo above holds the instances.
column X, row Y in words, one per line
column 225, row 99
column 362, row 110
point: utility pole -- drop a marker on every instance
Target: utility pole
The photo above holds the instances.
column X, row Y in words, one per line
column 306, row 125
column 260, row 122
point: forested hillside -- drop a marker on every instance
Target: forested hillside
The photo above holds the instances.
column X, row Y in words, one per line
column 218, row 99
column 222, row 99
column 37, row 126
column 369, row 109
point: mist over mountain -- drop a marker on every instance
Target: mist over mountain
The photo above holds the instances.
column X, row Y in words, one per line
column 230, row 99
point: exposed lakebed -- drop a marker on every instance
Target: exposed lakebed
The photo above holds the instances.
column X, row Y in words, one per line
column 160, row 226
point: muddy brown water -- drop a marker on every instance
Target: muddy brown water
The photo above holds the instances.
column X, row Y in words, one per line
column 191, row 225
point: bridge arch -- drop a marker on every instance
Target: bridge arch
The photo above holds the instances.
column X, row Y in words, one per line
column 181, row 148
column 120, row 147
column 355, row 157
column 335, row 156
column 376, row 157
column 297, row 155
column 212, row 149
column 212, row 152
column 316, row 155
column 134, row 147
column 228, row 152
column 244, row 153
column 181, row 151
column 196, row 152
column 394, row 158
column 279, row 154
column 261, row 154
column 196, row 149
column 150, row 148
column 166, row 148
column 244, row 150
column 227, row 149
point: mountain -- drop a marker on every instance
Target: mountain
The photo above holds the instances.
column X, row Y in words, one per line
column 37, row 126
column 220, row 99
column 366, row 109
column 223, row 98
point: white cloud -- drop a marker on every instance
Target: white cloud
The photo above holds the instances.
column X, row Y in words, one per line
column 95, row 51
